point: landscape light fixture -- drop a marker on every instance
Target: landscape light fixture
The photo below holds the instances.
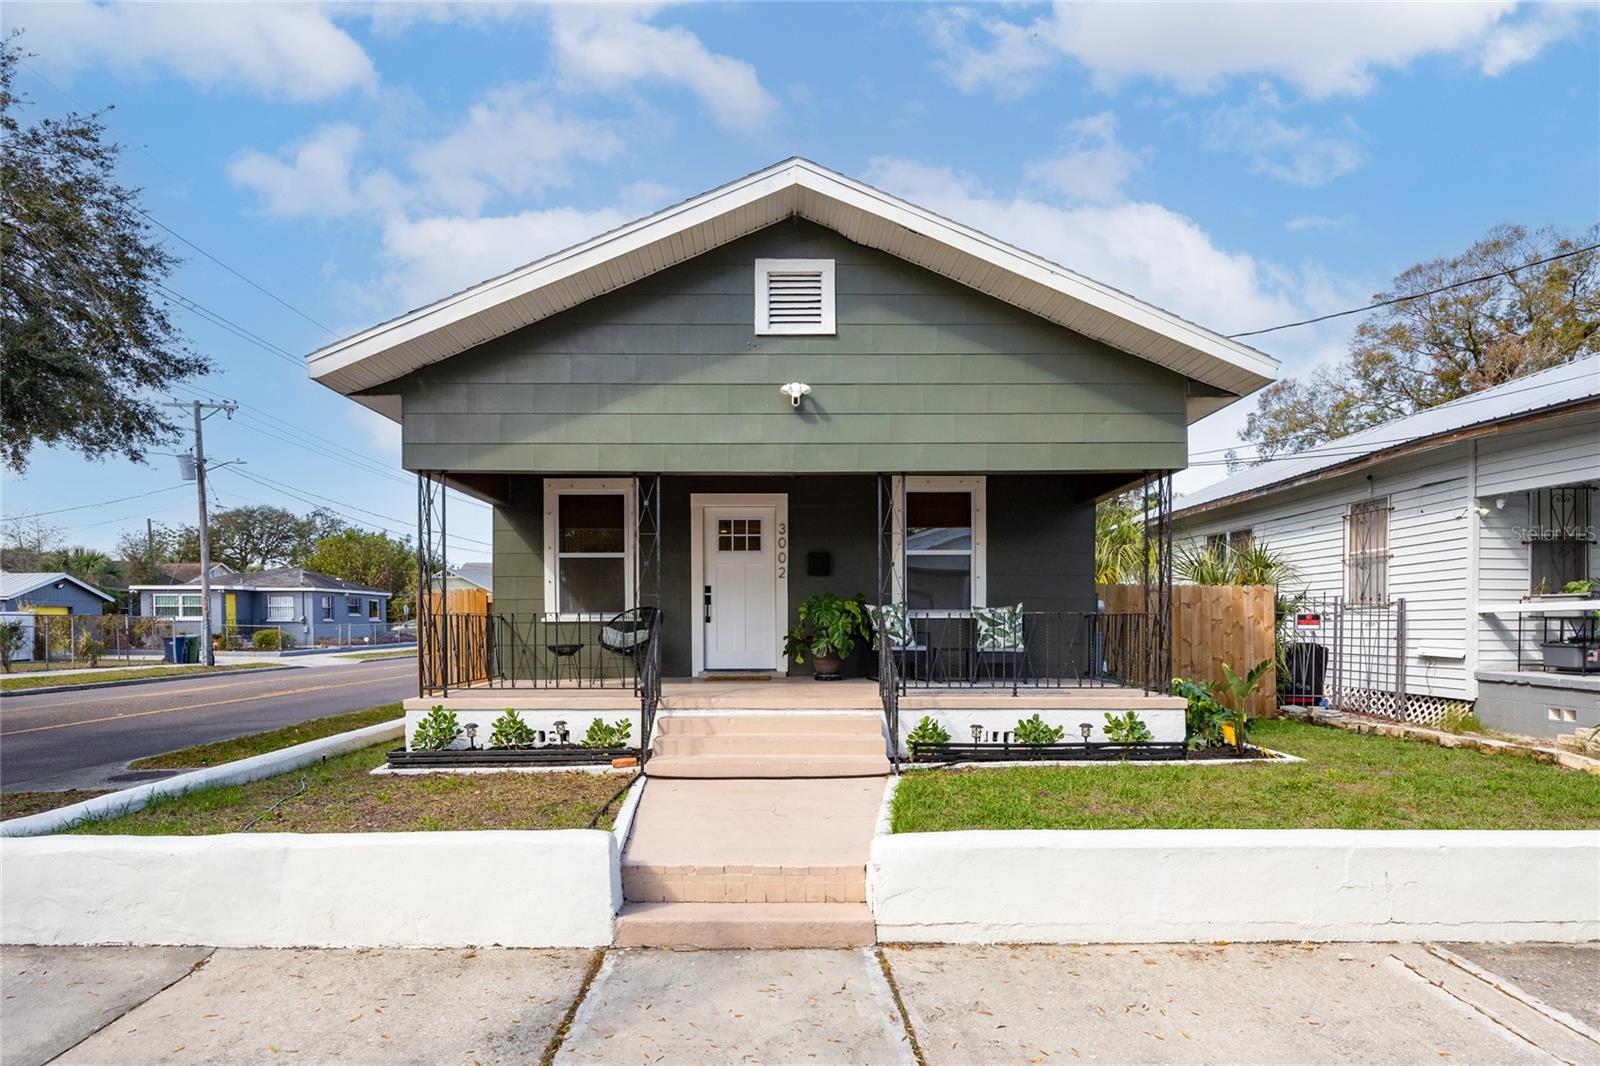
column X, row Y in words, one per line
column 977, row 733
column 1085, row 729
column 472, row 735
column 561, row 730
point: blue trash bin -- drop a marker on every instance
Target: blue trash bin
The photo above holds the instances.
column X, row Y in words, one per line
column 179, row 647
column 170, row 649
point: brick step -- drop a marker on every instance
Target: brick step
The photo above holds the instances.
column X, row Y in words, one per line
column 802, row 724
column 644, row 882
column 744, row 925
column 798, row 744
column 758, row 766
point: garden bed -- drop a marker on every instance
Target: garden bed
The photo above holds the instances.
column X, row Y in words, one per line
column 1346, row 781
column 341, row 795
column 1080, row 752
column 555, row 755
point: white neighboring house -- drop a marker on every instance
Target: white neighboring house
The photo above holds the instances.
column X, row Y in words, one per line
column 1474, row 512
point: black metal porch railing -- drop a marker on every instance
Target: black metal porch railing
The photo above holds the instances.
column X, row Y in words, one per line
column 1562, row 638
column 554, row 651
column 1057, row 649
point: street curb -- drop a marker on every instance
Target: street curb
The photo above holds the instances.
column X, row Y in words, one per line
column 142, row 681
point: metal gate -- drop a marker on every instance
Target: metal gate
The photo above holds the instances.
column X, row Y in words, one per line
column 1346, row 656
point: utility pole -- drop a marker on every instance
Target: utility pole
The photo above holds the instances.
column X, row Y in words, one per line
column 207, row 654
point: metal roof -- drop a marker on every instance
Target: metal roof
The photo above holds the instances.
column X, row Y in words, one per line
column 14, row 584
column 793, row 188
column 1560, row 386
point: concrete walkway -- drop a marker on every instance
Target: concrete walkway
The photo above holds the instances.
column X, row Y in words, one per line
column 1339, row 1003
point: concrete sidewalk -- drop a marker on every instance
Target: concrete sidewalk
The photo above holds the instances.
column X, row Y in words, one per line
column 1265, row 1003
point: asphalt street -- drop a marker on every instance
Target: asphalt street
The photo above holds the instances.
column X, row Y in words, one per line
column 86, row 739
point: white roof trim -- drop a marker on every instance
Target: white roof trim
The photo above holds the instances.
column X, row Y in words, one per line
column 795, row 187
column 290, row 590
column 51, row 579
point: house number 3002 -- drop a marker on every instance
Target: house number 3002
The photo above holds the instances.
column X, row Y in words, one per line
column 783, row 552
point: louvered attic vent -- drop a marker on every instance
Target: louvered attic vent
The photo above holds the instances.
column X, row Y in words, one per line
column 794, row 296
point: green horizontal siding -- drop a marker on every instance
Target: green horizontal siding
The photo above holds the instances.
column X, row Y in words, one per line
column 668, row 375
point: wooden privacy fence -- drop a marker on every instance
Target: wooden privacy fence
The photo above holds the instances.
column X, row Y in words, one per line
column 454, row 625
column 1212, row 625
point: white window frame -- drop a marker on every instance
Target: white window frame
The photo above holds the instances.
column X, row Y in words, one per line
column 768, row 267
column 372, row 610
column 182, row 604
column 327, row 608
column 553, row 491
column 978, row 488
column 278, row 602
column 352, row 606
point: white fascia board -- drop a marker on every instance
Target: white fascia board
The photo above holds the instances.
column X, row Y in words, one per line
column 52, row 579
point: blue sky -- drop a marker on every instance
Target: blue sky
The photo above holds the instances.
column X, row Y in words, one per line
column 1242, row 165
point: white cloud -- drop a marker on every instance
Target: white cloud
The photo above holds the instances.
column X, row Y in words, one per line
column 289, row 51
column 431, row 257
column 1093, row 164
column 1143, row 249
column 319, row 178
column 1298, row 155
column 611, row 47
column 1302, row 223
column 383, row 436
column 1321, row 48
column 511, row 142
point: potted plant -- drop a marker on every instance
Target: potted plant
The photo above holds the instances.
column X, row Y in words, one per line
column 829, row 628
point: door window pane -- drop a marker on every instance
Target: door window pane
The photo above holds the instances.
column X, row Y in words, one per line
column 591, row 523
column 739, row 534
column 590, row 584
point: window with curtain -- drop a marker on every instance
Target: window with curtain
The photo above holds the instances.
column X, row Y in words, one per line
column 938, row 550
column 1366, row 581
column 372, row 610
column 591, row 553
column 176, row 605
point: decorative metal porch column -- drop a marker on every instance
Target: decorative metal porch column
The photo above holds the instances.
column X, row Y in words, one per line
column 433, row 628
column 1156, row 569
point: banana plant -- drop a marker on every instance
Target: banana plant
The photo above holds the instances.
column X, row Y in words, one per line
column 1234, row 692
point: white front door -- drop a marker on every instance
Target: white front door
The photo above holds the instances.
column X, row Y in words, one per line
column 740, row 594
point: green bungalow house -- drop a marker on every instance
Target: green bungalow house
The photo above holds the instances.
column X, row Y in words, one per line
column 789, row 385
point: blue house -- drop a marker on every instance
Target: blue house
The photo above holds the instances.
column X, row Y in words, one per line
column 50, row 593
column 307, row 607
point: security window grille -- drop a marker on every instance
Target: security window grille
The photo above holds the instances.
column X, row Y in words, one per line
column 177, row 605
column 591, row 553
column 794, row 296
column 280, row 608
column 1367, row 562
column 1239, row 541
column 1217, row 544
column 1559, row 537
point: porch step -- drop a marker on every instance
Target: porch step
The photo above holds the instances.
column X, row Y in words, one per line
column 800, row 744
column 648, row 882
column 744, row 925
column 806, row 723
column 748, row 766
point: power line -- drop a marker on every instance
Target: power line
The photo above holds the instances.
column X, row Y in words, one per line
column 1506, row 273
column 97, row 503
column 294, row 493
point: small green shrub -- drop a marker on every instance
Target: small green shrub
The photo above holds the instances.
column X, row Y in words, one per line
column 601, row 735
column 1127, row 728
column 927, row 733
column 437, row 730
column 272, row 640
column 1204, row 715
column 1459, row 718
column 510, row 731
column 1035, row 733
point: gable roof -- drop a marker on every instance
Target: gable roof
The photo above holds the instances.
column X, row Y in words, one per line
column 1572, row 384
column 15, row 584
column 281, row 577
column 179, row 573
column 793, row 188
column 479, row 574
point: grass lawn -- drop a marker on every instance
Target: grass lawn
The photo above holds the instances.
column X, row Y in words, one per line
column 362, row 656
column 9, row 684
column 256, row 743
column 1349, row 781
column 341, row 796
column 20, row 804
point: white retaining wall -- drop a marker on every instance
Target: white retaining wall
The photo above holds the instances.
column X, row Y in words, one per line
column 1202, row 885
column 1166, row 724
column 540, row 721
column 445, row 889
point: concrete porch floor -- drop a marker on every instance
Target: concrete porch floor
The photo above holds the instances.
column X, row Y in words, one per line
column 792, row 694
